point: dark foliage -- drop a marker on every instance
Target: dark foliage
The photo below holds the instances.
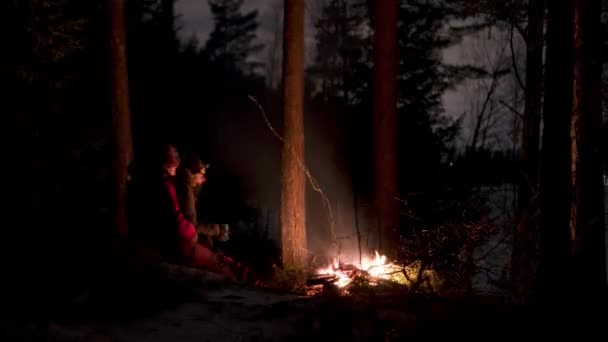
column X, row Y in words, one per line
column 54, row 84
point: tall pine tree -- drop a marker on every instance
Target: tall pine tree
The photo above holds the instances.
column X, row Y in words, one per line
column 342, row 79
column 385, row 125
column 423, row 78
column 340, row 48
column 587, row 215
column 555, row 176
column 120, row 110
column 293, row 179
column 233, row 40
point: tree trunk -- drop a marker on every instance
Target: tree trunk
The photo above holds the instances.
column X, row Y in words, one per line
column 385, row 125
column 555, row 168
column 293, row 181
column 587, row 215
column 524, row 248
column 121, row 116
column 274, row 53
column 168, row 25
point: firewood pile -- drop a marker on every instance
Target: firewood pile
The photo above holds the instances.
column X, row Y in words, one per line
column 343, row 278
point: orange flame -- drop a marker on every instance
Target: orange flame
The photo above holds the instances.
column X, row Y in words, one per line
column 376, row 267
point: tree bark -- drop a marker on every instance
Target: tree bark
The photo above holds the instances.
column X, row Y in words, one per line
column 293, row 181
column 587, row 214
column 524, row 248
column 385, row 125
column 121, row 116
column 555, row 167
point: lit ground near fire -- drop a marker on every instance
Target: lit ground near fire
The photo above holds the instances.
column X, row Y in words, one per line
column 187, row 305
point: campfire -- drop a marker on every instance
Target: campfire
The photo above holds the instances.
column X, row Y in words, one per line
column 372, row 268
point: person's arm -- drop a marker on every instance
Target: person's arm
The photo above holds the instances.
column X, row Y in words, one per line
column 186, row 199
column 186, row 228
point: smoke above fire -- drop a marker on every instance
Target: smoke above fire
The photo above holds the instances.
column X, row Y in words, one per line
column 251, row 162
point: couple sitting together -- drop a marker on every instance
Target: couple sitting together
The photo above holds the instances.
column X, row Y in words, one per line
column 162, row 215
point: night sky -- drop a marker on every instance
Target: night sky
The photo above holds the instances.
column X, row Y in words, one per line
column 194, row 20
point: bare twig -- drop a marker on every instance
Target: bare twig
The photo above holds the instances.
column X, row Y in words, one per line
column 514, row 61
column 486, row 102
column 513, row 110
column 492, row 250
column 265, row 117
column 521, row 30
column 313, row 182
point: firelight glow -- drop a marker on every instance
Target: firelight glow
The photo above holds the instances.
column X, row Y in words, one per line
column 375, row 267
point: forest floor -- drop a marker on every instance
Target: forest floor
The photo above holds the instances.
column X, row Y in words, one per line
column 179, row 304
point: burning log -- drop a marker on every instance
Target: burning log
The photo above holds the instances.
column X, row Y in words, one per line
column 320, row 279
column 371, row 269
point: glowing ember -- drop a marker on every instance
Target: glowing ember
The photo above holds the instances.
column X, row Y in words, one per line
column 375, row 267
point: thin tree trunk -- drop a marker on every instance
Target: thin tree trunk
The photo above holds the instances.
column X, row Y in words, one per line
column 587, row 215
column 293, row 213
column 168, row 25
column 385, row 125
column 121, row 116
column 274, row 53
column 555, row 168
column 524, row 242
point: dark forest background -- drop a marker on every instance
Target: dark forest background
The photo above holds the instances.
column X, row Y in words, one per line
column 196, row 94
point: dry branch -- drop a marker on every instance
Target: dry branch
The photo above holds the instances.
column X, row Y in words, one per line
column 514, row 60
column 313, row 182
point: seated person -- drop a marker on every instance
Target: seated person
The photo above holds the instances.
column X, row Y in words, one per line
column 190, row 178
